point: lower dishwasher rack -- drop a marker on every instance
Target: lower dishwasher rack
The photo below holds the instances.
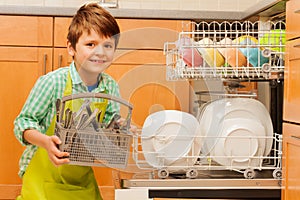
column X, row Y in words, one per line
column 194, row 165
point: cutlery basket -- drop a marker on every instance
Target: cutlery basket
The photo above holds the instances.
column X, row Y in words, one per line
column 104, row 146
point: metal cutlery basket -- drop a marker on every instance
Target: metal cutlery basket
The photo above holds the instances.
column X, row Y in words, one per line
column 95, row 143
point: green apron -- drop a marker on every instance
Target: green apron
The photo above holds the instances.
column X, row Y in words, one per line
column 43, row 181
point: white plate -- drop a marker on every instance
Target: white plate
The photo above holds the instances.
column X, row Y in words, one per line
column 257, row 109
column 239, row 144
column 167, row 136
column 209, row 119
column 222, row 109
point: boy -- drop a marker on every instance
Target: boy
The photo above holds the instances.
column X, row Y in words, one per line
column 92, row 40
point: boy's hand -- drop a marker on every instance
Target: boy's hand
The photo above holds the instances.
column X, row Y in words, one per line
column 49, row 143
column 56, row 156
column 132, row 128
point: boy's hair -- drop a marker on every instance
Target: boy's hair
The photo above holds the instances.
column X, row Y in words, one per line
column 92, row 16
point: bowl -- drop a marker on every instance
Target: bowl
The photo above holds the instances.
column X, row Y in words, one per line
column 253, row 54
column 274, row 40
column 190, row 55
column 211, row 55
column 233, row 57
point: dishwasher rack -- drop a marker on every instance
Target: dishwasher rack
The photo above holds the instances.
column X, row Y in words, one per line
column 192, row 164
column 229, row 50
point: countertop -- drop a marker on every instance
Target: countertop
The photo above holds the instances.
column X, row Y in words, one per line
column 261, row 8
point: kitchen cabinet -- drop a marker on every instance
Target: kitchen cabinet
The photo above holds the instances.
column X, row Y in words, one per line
column 292, row 82
column 291, row 150
column 20, row 67
column 291, row 127
column 26, row 31
column 292, row 19
column 25, row 54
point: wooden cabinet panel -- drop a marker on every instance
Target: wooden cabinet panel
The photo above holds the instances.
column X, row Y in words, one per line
column 146, row 87
column 139, row 57
column 20, row 67
column 291, row 107
column 291, row 173
column 292, row 19
column 26, row 30
column 61, row 25
column 151, row 34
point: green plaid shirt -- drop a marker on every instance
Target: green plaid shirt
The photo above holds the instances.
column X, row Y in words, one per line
column 39, row 108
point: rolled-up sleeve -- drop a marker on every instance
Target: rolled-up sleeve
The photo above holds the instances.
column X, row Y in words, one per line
column 36, row 111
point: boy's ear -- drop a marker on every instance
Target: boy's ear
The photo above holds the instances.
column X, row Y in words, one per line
column 70, row 48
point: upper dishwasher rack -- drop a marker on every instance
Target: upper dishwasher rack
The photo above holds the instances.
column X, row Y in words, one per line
column 230, row 50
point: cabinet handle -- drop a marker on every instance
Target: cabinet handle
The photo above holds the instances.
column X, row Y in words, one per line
column 296, row 45
column 45, row 64
column 295, row 137
column 60, row 57
column 297, row 11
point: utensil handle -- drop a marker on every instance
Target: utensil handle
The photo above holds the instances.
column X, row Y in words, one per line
column 104, row 96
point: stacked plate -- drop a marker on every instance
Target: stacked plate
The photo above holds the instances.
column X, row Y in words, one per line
column 169, row 138
column 238, row 131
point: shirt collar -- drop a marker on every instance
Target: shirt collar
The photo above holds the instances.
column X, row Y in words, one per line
column 74, row 74
column 76, row 79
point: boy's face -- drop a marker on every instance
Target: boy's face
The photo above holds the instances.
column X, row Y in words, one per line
column 93, row 53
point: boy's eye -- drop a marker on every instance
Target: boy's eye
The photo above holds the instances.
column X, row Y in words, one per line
column 90, row 44
column 108, row 45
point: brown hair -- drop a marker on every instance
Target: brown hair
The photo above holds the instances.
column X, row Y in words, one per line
column 89, row 17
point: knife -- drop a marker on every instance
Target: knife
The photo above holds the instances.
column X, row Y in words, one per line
column 90, row 119
column 93, row 120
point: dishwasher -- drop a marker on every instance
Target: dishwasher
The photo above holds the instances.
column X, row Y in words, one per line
column 226, row 54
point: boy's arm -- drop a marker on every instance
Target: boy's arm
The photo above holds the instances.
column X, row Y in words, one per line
column 35, row 118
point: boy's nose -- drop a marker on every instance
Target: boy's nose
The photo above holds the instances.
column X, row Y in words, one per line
column 99, row 50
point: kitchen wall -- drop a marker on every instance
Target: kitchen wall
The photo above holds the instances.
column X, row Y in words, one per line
column 212, row 5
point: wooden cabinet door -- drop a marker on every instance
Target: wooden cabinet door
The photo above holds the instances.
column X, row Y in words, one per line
column 291, row 162
column 19, row 68
column 26, row 30
column 292, row 19
column 61, row 25
column 291, row 107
